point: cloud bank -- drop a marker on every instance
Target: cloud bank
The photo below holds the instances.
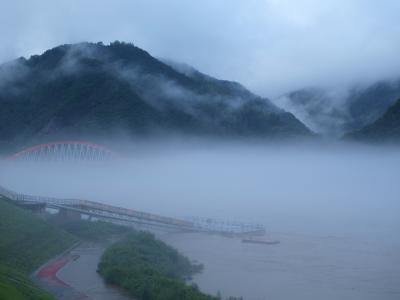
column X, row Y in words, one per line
column 271, row 46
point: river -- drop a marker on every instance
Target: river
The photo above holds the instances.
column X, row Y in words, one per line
column 334, row 208
column 81, row 274
column 300, row 267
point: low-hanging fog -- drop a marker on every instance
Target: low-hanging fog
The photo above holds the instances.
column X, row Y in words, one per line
column 342, row 190
column 271, row 46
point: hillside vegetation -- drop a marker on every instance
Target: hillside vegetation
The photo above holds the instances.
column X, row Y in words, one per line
column 26, row 242
column 81, row 90
column 149, row 269
column 334, row 112
column 139, row 263
column 15, row 285
column 385, row 129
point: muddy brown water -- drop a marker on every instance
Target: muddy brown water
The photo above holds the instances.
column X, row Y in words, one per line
column 82, row 276
column 300, row 267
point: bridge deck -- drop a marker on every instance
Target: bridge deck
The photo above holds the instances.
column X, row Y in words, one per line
column 106, row 211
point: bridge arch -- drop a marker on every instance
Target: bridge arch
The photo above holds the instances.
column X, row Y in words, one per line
column 65, row 151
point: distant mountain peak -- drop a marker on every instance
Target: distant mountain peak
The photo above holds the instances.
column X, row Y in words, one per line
column 96, row 89
column 337, row 111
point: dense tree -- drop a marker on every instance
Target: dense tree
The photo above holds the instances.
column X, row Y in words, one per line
column 92, row 89
column 385, row 129
column 149, row 269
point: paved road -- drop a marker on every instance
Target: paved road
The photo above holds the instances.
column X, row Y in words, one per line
column 73, row 276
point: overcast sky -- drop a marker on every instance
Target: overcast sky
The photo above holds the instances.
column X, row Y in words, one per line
column 271, row 46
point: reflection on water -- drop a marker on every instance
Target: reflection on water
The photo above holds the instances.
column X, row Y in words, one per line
column 300, row 267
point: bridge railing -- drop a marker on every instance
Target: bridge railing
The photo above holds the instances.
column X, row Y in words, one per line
column 92, row 205
column 106, row 210
column 133, row 213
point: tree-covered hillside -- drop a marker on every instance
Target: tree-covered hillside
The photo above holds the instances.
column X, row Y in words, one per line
column 334, row 112
column 149, row 269
column 98, row 90
column 385, row 129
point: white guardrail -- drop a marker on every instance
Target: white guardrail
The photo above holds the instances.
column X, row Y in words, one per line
column 92, row 206
column 105, row 210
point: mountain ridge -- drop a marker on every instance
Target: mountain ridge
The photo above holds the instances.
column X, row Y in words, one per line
column 384, row 129
column 90, row 88
column 334, row 112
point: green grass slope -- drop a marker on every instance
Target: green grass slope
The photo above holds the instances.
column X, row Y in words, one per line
column 15, row 285
column 26, row 242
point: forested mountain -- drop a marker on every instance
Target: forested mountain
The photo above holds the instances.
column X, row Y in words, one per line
column 91, row 89
column 336, row 112
column 386, row 128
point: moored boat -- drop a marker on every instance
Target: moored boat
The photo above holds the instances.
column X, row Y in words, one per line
column 264, row 242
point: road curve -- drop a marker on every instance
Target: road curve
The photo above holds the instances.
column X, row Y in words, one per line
column 47, row 278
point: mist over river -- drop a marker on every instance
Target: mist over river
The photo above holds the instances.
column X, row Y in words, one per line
column 300, row 267
column 335, row 209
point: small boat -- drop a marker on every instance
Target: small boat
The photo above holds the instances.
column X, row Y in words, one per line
column 264, row 242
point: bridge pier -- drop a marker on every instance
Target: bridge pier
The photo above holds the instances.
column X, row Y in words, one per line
column 38, row 209
column 69, row 215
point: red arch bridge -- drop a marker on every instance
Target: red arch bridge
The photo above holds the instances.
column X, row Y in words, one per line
column 65, row 151
column 124, row 216
column 86, row 151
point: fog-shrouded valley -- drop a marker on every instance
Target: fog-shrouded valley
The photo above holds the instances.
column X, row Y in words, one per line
column 290, row 187
column 200, row 151
column 334, row 209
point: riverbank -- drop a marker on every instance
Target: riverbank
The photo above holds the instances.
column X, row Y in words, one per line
column 46, row 246
column 73, row 275
column 28, row 241
column 47, row 278
column 149, row 269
